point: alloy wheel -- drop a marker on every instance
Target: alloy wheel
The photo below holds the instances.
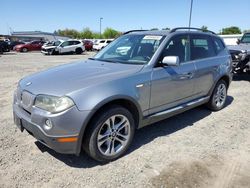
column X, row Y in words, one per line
column 113, row 135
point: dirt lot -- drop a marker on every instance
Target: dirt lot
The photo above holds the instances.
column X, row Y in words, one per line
column 198, row 148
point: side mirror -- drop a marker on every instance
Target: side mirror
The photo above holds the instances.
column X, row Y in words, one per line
column 238, row 41
column 171, row 61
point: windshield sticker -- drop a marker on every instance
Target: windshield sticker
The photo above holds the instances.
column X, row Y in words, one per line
column 152, row 37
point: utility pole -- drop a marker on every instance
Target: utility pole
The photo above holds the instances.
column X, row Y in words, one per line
column 101, row 27
column 190, row 14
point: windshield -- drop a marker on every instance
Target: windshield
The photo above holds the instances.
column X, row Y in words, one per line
column 57, row 43
column 246, row 38
column 132, row 49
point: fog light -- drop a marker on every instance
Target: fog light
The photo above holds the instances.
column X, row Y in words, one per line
column 48, row 125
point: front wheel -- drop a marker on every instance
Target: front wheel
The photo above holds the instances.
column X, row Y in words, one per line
column 110, row 134
column 218, row 98
column 24, row 50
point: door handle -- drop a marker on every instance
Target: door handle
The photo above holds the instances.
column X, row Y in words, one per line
column 186, row 75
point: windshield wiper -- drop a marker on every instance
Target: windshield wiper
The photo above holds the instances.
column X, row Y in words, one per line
column 105, row 60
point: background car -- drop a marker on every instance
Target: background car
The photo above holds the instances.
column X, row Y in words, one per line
column 101, row 44
column 66, row 47
column 241, row 55
column 88, row 45
column 32, row 46
column 49, row 47
column 4, row 47
column 12, row 44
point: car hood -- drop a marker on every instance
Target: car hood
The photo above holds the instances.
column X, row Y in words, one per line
column 48, row 47
column 240, row 47
column 66, row 79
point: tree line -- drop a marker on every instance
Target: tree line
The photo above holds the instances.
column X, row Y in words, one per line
column 86, row 33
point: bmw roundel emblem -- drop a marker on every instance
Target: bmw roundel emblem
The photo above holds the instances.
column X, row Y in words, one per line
column 28, row 83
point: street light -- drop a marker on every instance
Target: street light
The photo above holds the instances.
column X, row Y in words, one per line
column 101, row 27
column 190, row 13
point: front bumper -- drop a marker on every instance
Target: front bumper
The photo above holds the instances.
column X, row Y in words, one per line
column 66, row 124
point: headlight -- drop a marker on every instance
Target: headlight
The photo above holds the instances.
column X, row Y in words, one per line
column 53, row 104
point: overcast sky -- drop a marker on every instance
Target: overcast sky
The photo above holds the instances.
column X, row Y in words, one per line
column 50, row 15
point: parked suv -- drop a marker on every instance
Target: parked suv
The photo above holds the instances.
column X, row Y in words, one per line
column 66, row 47
column 241, row 54
column 97, row 104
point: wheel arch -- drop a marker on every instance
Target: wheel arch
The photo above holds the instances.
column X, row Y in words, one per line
column 225, row 77
column 124, row 101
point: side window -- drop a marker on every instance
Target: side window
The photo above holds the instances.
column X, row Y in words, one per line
column 177, row 46
column 219, row 46
column 35, row 42
column 76, row 42
column 65, row 44
column 201, row 47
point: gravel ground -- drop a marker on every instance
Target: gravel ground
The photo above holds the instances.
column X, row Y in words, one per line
column 198, row 148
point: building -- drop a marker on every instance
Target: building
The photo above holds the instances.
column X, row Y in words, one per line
column 231, row 39
column 35, row 35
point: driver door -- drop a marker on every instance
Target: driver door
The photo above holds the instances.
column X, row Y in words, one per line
column 173, row 85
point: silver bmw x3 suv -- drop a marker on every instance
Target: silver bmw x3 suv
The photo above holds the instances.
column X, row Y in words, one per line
column 140, row 78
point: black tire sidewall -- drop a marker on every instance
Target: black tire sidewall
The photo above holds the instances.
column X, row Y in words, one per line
column 79, row 51
column 92, row 148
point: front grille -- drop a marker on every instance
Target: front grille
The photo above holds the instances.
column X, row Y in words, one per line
column 27, row 100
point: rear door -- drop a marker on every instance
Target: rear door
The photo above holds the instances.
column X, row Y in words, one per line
column 173, row 85
column 203, row 54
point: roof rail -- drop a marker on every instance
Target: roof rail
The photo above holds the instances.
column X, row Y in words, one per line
column 133, row 31
column 191, row 28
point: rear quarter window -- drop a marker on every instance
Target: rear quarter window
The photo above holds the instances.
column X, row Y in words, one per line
column 218, row 44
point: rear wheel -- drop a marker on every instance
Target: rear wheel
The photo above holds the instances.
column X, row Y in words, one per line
column 79, row 51
column 218, row 99
column 110, row 134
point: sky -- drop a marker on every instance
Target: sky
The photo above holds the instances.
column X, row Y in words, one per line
column 51, row 15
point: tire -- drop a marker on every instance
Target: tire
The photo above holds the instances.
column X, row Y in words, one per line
column 79, row 51
column 218, row 98
column 24, row 50
column 106, row 141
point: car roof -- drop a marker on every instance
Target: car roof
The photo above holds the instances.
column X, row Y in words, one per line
column 181, row 30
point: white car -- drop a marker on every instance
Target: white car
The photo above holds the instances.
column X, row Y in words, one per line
column 101, row 44
column 64, row 47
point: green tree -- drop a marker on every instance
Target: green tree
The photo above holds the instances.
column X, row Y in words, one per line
column 204, row 28
column 231, row 30
column 110, row 33
column 96, row 35
column 86, row 33
column 154, row 29
column 166, row 28
column 69, row 33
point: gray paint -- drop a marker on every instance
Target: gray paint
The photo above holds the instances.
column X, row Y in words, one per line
column 153, row 90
